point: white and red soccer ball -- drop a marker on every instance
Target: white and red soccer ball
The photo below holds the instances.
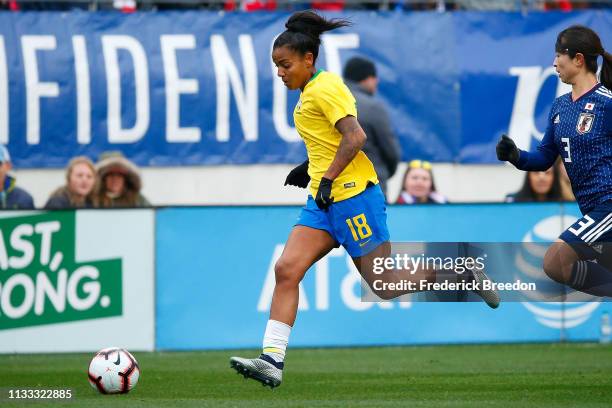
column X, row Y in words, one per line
column 113, row 371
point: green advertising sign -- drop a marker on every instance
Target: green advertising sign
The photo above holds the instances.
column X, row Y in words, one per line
column 40, row 280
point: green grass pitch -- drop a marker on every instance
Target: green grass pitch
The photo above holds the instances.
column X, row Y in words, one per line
column 540, row 375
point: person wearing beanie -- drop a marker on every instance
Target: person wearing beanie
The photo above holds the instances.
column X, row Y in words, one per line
column 11, row 196
column 382, row 146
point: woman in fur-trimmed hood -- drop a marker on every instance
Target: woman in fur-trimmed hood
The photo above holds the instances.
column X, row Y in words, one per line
column 120, row 183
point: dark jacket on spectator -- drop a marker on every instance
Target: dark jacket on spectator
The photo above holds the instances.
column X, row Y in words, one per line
column 60, row 199
column 382, row 147
column 13, row 197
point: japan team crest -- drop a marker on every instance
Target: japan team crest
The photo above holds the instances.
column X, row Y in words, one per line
column 585, row 123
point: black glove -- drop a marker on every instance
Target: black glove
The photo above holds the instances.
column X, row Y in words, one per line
column 507, row 150
column 299, row 176
column 324, row 198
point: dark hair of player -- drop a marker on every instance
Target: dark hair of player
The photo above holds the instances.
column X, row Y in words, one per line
column 583, row 40
column 304, row 29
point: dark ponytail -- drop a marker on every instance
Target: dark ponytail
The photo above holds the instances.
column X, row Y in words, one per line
column 583, row 40
column 304, row 30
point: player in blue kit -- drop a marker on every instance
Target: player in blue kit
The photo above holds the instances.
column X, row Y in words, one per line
column 580, row 130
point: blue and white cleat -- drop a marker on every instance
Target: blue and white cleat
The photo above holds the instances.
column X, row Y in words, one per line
column 263, row 369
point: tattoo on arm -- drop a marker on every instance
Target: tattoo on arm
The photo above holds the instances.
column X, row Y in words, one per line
column 347, row 125
column 353, row 139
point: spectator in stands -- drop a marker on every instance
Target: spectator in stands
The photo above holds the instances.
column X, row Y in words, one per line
column 539, row 186
column 9, row 5
column 567, row 194
column 418, row 186
column 80, row 188
column 564, row 5
column 328, row 5
column 570, row 5
column 382, row 146
column 250, row 5
column 11, row 196
column 120, row 182
column 125, row 6
column 422, row 5
column 47, row 5
column 491, row 5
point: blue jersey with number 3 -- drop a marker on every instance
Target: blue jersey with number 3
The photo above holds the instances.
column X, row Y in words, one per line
column 581, row 132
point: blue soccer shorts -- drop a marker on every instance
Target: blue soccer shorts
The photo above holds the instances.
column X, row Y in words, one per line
column 358, row 223
column 591, row 231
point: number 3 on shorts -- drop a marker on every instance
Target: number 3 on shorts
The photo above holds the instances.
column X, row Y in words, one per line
column 359, row 227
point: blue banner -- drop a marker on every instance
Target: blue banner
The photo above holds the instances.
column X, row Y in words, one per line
column 190, row 88
column 215, row 276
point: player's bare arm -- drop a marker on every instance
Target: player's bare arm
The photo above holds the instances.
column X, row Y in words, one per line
column 353, row 139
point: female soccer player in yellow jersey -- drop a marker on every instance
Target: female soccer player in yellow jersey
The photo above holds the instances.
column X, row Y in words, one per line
column 348, row 208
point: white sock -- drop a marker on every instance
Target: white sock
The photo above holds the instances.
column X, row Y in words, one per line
column 275, row 340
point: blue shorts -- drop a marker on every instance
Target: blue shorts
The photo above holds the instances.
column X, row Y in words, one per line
column 590, row 231
column 358, row 223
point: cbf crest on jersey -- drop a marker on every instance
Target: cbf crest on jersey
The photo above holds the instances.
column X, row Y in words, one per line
column 585, row 122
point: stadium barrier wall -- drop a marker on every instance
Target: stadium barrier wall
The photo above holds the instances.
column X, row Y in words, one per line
column 199, row 88
column 76, row 280
column 202, row 278
column 215, row 276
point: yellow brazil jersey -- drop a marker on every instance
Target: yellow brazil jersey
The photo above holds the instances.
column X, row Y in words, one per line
column 324, row 101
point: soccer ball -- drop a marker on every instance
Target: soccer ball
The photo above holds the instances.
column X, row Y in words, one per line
column 113, row 371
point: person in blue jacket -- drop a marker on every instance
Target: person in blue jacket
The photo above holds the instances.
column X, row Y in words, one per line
column 11, row 196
